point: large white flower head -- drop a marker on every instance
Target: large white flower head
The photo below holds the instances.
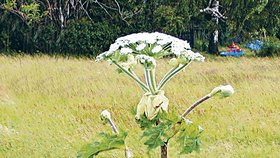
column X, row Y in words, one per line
column 155, row 45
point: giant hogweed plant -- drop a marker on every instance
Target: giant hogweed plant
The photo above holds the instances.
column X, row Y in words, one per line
column 158, row 125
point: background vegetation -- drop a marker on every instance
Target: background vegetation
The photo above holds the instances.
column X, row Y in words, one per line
column 87, row 27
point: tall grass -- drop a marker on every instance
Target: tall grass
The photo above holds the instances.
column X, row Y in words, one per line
column 49, row 107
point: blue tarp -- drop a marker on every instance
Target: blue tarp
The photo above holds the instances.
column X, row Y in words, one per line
column 255, row 45
column 233, row 53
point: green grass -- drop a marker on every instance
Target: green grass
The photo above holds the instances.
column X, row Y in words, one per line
column 51, row 106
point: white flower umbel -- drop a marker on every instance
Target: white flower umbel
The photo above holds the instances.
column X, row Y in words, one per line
column 156, row 40
column 144, row 49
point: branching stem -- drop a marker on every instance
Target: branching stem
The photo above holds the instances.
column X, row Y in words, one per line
column 150, row 80
column 171, row 74
column 133, row 76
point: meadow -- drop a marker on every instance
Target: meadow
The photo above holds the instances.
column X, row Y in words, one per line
column 50, row 107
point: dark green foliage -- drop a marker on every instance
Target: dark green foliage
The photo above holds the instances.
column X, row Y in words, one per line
column 108, row 142
column 86, row 38
column 182, row 18
column 270, row 48
column 201, row 45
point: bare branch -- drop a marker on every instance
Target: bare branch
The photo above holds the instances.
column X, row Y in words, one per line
column 210, row 2
column 82, row 6
column 213, row 9
column 96, row 1
column 124, row 16
column 214, row 12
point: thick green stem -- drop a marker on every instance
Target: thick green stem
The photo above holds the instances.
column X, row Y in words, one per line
column 167, row 74
column 149, row 80
column 171, row 75
column 153, row 79
column 133, row 76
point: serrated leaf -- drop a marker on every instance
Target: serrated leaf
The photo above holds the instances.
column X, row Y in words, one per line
column 157, row 135
column 189, row 138
column 108, row 142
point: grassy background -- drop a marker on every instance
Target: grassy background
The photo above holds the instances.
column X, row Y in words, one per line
column 49, row 107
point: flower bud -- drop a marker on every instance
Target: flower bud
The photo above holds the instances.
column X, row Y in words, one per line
column 105, row 114
column 224, row 90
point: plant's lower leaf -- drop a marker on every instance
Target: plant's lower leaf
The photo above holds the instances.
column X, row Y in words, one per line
column 108, row 142
column 189, row 138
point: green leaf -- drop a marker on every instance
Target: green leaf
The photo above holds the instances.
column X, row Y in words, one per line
column 159, row 133
column 108, row 142
column 189, row 138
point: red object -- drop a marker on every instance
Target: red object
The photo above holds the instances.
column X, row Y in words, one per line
column 232, row 45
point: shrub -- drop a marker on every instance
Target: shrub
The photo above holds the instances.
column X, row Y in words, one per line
column 86, row 38
column 201, row 45
column 270, row 48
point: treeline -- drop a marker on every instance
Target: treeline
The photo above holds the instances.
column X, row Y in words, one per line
column 87, row 27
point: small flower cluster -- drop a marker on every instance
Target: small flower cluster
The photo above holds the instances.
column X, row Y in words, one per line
column 151, row 44
column 146, row 60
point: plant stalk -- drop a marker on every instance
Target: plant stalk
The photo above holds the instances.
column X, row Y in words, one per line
column 128, row 152
column 113, row 126
column 167, row 74
column 140, row 83
column 164, row 150
column 171, row 75
column 201, row 100
column 150, row 80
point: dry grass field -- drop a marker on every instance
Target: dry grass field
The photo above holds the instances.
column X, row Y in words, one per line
column 49, row 107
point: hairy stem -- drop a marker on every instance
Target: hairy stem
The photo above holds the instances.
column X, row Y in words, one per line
column 133, row 76
column 201, row 100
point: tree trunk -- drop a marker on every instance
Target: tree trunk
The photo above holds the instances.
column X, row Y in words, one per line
column 192, row 38
column 214, row 38
column 213, row 43
column 164, row 150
